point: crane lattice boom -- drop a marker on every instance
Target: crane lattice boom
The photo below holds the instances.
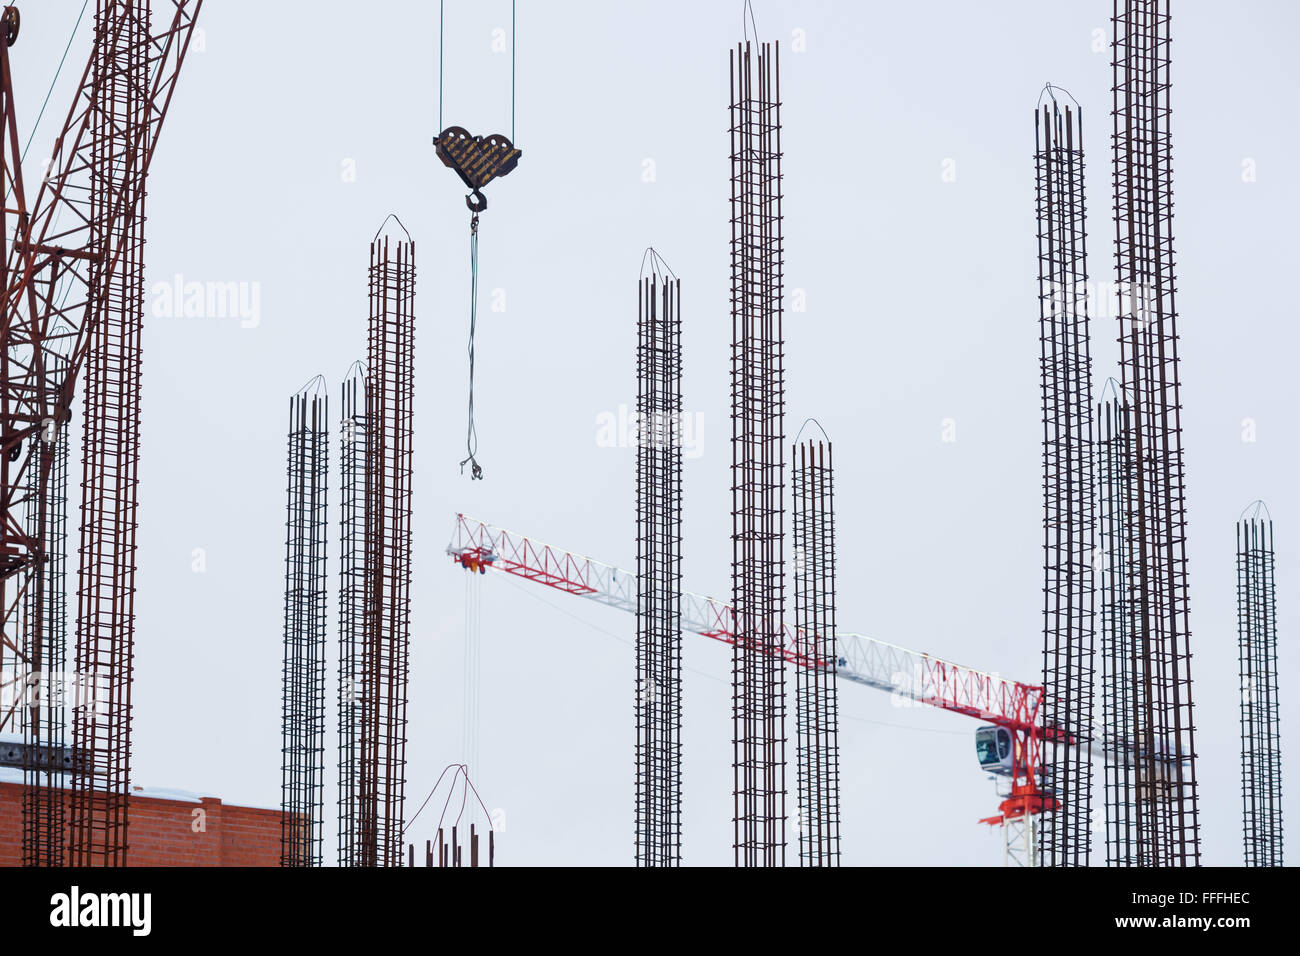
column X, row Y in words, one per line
column 909, row 674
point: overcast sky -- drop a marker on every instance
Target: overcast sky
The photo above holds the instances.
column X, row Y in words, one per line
column 296, row 128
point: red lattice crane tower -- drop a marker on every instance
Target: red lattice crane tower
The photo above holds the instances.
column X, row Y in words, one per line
column 73, row 288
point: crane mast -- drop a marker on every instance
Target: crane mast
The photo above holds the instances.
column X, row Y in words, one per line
column 72, row 288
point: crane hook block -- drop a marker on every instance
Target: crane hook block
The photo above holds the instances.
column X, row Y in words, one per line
column 477, row 160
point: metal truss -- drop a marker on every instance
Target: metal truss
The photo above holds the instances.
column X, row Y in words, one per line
column 910, row 676
column 1021, row 839
column 72, row 298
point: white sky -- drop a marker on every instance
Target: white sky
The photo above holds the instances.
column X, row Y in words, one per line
column 921, row 306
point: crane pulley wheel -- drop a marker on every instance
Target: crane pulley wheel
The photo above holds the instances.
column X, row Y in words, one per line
column 12, row 21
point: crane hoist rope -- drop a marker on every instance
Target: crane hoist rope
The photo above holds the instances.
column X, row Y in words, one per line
column 477, row 160
column 10, row 23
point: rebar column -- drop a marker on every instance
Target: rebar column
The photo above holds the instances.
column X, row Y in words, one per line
column 44, row 774
column 386, row 616
column 659, row 573
column 757, row 458
column 1068, row 485
column 1261, row 750
column 1121, row 691
column 303, row 696
column 816, row 697
column 1165, row 752
column 101, row 725
column 352, row 701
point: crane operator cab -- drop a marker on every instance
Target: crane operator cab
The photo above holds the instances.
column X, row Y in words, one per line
column 993, row 747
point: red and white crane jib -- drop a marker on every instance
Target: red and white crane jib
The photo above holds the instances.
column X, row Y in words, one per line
column 903, row 673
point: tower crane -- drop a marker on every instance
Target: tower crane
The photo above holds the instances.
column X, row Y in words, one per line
column 1007, row 745
column 71, row 293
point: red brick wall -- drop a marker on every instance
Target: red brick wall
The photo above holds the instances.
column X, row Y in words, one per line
column 165, row 832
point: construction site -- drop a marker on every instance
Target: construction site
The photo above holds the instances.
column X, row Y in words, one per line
column 415, row 454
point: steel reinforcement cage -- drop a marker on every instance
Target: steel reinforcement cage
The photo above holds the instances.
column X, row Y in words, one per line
column 46, row 716
column 1121, row 691
column 659, row 574
column 305, row 583
column 758, row 457
column 352, row 603
column 1068, row 486
column 816, row 694
column 385, row 647
column 105, row 642
column 1261, row 750
column 1167, row 831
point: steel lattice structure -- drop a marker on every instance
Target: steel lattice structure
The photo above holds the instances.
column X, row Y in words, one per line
column 1261, row 751
column 352, row 604
column 864, row 660
column 385, row 649
column 71, row 283
column 1167, row 831
column 906, row 675
column 659, row 573
column 816, row 696
column 1068, row 486
column 303, row 697
column 758, row 457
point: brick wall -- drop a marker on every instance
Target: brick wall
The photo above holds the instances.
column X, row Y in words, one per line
column 199, row 832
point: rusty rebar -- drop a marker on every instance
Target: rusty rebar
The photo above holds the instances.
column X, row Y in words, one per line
column 758, row 458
